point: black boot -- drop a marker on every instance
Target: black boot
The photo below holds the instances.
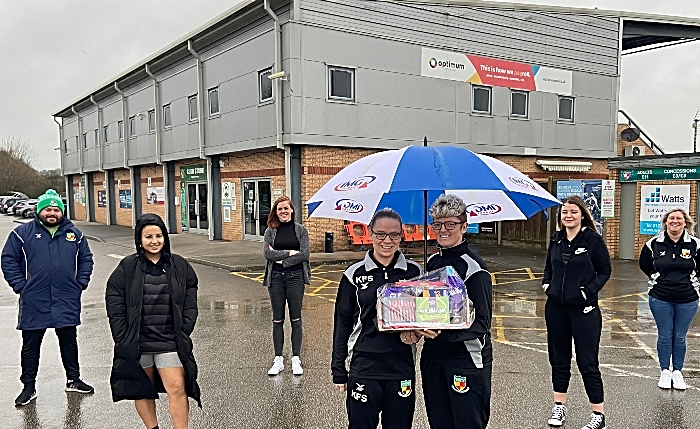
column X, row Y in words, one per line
column 28, row 395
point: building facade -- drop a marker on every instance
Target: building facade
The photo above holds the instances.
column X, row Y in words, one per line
column 275, row 97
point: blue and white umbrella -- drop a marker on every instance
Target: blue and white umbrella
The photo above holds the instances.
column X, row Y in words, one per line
column 398, row 179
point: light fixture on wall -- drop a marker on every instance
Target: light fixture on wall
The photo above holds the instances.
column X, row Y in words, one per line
column 278, row 75
column 140, row 115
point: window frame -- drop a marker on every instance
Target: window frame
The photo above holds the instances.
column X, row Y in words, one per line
column 167, row 118
column 85, row 146
column 120, row 130
column 97, row 137
column 218, row 102
column 105, row 133
column 132, row 126
column 194, row 118
column 329, row 80
column 490, row 108
column 151, row 115
column 561, row 120
column 263, row 74
column 527, row 104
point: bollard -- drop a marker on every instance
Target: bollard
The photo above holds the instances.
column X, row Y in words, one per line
column 329, row 242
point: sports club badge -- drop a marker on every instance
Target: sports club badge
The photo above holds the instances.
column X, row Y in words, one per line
column 685, row 253
column 70, row 236
column 459, row 384
column 405, row 389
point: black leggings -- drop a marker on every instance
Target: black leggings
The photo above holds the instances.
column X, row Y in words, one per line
column 583, row 324
column 286, row 288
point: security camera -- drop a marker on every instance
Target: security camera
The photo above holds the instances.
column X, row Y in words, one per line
column 278, row 75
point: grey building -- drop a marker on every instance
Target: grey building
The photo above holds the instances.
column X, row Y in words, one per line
column 275, row 96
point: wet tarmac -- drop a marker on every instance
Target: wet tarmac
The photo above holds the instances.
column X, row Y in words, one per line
column 233, row 348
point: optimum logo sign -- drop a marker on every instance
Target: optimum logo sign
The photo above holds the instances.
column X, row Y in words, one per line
column 523, row 183
column 356, row 183
column 435, row 63
column 349, row 206
column 483, row 209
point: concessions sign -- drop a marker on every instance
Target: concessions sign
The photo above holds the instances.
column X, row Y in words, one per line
column 490, row 71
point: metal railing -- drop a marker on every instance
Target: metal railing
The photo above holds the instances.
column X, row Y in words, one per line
column 648, row 140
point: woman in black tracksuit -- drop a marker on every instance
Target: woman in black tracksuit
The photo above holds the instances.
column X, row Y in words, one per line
column 382, row 377
column 577, row 268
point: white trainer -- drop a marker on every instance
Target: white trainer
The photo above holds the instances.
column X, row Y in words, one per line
column 677, row 380
column 277, row 366
column 558, row 415
column 665, row 379
column 296, row 366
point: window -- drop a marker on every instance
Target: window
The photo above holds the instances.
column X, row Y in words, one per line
column 151, row 121
column 481, row 99
column 341, row 84
column 77, row 143
column 65, row 146
column 97, row 138
column 105, row 131
column 120, row 127
column 167, row 120
column 132, row 126
column 265, row 85
column 85, row 141
column 519, row 104
column 192, row 105
column 214, row 102
column 565, row 111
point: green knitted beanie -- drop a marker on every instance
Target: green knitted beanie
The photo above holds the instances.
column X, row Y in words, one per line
column 50, row 199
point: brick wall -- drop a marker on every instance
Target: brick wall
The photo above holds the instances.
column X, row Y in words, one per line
column 79, row 210
column 261, row 165
column 123, row 215
column 100, row 212
column 155, row 172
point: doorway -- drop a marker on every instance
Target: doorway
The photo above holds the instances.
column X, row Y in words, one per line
column 197, row 220
column 257, row 200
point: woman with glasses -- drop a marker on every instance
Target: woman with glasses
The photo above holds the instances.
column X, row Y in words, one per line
column 577, row 268
column 286, row 249
column 381, row 378
column 456, row 364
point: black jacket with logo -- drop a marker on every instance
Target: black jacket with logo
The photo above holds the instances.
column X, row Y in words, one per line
column 587, row 269
column 672, row 267
column 462, row 345
column 373, row 354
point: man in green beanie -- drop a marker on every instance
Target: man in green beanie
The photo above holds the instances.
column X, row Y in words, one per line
column 48, row 263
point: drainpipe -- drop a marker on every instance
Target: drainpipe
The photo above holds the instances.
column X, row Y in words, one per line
column 278, row 98
column 200, row 97
column 100, row 143
column 61, row 149
column 126, row 131
column 156, row 101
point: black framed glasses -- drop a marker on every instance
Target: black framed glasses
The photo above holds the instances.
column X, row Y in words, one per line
column 393, row 236
column 437, row 226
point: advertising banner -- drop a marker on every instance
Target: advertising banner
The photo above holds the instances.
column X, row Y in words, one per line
column 155, row 195
column 657, row 200
column 589, row 191
column 101, row 198
column 125, row 198
column 490, row 71
column 607, row 199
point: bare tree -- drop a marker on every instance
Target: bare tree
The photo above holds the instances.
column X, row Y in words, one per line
column 19, row 149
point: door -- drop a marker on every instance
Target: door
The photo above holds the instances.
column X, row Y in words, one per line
column 256, row 207
column 197, row 220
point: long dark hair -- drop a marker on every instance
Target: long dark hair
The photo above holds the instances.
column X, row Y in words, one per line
column 586, row 217
column 273, row 221
column 151, row 219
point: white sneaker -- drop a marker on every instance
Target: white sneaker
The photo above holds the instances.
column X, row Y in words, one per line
column 296, row 366
column 277, row 366
column 665, row 379
column 558, row 415
column 677, row 379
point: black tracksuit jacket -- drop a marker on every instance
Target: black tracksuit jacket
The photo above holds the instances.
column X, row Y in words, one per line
column 373, row 354
column 587, row 270
column 456, row 344
column 672, row 267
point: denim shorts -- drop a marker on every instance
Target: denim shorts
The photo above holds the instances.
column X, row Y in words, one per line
column 160, row 360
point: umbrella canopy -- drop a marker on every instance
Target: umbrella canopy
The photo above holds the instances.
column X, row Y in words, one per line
column 397, row 179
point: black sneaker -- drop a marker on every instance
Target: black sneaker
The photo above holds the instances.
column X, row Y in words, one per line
column 558, row 415
column 28, row 395
column 79, row 386
column 597, row 422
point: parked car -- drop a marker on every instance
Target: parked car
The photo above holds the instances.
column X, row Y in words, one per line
column 7, row 204
column 13, row 210
column 25, row 208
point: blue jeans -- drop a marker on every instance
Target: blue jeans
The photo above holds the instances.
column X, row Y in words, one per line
column 672, row 322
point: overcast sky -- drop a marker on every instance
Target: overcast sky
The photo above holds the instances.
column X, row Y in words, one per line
column 52, row 52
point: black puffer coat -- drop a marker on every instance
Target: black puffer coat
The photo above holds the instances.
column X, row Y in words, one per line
column 124, row 298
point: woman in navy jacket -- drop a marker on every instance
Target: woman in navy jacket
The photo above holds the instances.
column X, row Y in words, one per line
column 670, row 260
column 577, row 268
